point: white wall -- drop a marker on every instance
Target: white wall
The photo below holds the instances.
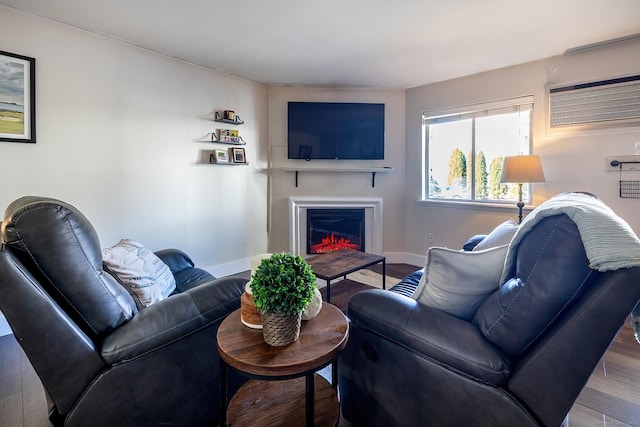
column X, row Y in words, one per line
column 573, row 159
column 116, row 131
column 389, row 186
column 116, row 128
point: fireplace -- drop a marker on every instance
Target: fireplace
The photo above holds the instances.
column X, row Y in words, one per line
column 372, row 228
column 330, row 230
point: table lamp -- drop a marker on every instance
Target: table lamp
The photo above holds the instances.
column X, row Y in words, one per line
column 520, row 170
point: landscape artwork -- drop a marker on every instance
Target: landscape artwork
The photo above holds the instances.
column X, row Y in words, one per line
column 17, row 98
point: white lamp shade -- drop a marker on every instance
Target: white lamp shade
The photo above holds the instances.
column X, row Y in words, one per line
column 522, row 169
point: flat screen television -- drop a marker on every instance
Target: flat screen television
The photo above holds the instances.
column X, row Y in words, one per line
column 335, row 130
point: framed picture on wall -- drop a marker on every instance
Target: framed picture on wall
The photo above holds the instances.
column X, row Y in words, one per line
column 221, row 156
column 17, row 98
column 237, row 155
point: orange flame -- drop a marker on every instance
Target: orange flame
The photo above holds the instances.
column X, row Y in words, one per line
column 330, row 244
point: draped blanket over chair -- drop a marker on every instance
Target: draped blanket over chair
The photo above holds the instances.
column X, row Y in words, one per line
column 103, row 359
column 521, row 360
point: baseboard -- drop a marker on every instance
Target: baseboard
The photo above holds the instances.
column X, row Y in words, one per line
column 405, row 258
column 229, row 268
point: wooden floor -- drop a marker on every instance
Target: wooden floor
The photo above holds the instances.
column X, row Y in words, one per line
column 611, row 397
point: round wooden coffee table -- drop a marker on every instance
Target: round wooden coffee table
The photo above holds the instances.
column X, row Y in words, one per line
column 262, row 400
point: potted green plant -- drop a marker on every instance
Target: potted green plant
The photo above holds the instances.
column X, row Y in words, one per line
column 282, row 286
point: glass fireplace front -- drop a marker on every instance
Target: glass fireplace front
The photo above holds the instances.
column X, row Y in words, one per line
column 331, row 230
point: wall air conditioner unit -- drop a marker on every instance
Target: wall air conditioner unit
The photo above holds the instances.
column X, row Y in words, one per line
column 601, row 103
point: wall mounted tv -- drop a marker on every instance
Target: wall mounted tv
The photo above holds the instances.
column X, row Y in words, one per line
column 335, row 130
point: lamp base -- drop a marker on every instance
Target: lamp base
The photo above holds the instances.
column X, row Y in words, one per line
column 520, row 205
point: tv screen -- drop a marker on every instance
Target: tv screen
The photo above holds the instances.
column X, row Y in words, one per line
column 335, row 130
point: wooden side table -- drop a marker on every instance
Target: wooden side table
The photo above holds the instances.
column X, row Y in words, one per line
column 264, row 401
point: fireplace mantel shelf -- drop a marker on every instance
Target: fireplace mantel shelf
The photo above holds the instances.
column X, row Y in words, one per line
column 372, row 171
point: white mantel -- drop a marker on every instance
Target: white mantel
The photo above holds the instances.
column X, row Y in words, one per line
column 298, row 219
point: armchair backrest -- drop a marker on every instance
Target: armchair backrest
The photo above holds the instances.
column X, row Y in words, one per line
column 61, row 250
column 556, row 317
column 64, row 357
column 550, row 375
column 551, row 272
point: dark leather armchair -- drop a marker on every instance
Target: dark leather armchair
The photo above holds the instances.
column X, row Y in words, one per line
column 521, row 361
column 103, row 361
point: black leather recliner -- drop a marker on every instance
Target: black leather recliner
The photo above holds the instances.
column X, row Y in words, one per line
column 521, row 361
column 102, row 361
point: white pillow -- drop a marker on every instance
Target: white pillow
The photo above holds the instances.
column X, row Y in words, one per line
column 140, row 270
column 501, row 235
column 458, row 282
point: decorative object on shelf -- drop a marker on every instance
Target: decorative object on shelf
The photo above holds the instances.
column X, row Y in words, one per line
column 283, row 286
column 249, row 314
column 230, row 136
column 237, row 155
column 521, row 169
column 231, row 140
column 223, row 118
column 221, row 156
column 18, row 107
column 229, row 115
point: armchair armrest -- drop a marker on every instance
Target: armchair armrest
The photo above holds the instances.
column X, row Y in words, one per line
column 173, row 318
column 175, row 259
column 473, row 241
column 186, row 274
column 451, row 342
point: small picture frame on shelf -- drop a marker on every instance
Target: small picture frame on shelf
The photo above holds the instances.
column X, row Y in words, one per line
column 237, row 155
column 221, row 156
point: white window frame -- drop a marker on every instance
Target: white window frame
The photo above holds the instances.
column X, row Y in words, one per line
column 472, row 112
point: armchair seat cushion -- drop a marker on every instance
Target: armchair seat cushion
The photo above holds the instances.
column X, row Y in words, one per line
column 173, row 319
column 453, row 343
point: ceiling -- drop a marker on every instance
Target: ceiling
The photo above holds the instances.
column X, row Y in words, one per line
column 349, row 43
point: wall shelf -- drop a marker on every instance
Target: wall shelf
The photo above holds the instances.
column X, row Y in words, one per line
column 225, row 137
column 372, row 171
column 211, row 137
column 212, row 161
column 218, row 118
column 629, row 189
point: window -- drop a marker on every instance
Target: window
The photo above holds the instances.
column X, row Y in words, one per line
column 464, row 150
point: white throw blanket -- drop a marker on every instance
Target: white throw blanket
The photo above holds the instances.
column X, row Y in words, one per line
column 609, row 242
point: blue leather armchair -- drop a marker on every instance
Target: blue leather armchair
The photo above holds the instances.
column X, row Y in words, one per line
column 103, row 361
column 521, row 361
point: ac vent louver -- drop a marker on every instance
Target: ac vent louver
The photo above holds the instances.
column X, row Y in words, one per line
column 606, row 102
